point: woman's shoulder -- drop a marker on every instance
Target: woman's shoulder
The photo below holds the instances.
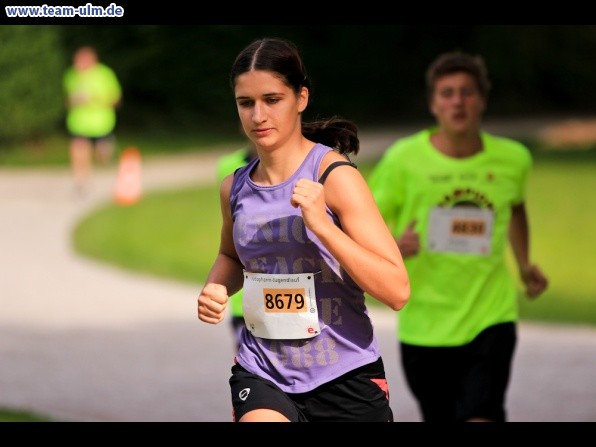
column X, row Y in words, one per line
column 330, row 160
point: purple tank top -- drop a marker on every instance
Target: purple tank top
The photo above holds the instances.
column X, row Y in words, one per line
column 270, row 237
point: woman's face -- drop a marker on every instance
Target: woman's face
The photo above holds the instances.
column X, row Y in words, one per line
column 269, row 110
column 457, row 104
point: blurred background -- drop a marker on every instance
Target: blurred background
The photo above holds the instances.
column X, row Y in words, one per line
column 177, row 76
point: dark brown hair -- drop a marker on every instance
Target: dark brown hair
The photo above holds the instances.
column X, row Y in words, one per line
column 457, row 62
column 282, row 58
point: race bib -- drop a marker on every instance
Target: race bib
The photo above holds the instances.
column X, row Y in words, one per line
column 280, row 306
column 460, row 230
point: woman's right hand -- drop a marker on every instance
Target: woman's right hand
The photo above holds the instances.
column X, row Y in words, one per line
column 212, row 303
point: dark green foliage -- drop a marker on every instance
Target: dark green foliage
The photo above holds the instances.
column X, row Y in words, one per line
column 31, row 66
column 177, row 76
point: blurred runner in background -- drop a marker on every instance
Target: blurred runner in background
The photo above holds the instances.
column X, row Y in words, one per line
column 453, row 196
column 92, row 95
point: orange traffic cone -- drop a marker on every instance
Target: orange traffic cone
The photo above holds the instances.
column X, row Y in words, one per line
column 128, row 180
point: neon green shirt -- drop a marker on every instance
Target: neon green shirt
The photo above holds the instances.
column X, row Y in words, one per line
column 460, row 283
column 230, row 162
column 225, row 166
column 92, row 97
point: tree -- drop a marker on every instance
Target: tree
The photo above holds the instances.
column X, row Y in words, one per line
column 31, row 65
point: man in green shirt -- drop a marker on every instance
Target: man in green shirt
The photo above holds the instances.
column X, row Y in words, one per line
column 93, row 93
column 453, row 196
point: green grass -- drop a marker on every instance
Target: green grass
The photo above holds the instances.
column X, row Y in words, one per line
column 173, row 234
column 562, row 217
column 11, row 415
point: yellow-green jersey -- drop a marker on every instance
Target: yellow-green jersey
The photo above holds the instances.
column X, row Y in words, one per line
column 92, row 97
column 460, row 281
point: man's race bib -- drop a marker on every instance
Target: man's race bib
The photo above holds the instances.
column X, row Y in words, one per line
column 278, row 306
column 461, row 230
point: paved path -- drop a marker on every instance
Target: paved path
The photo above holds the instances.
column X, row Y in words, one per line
column 83, row 341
